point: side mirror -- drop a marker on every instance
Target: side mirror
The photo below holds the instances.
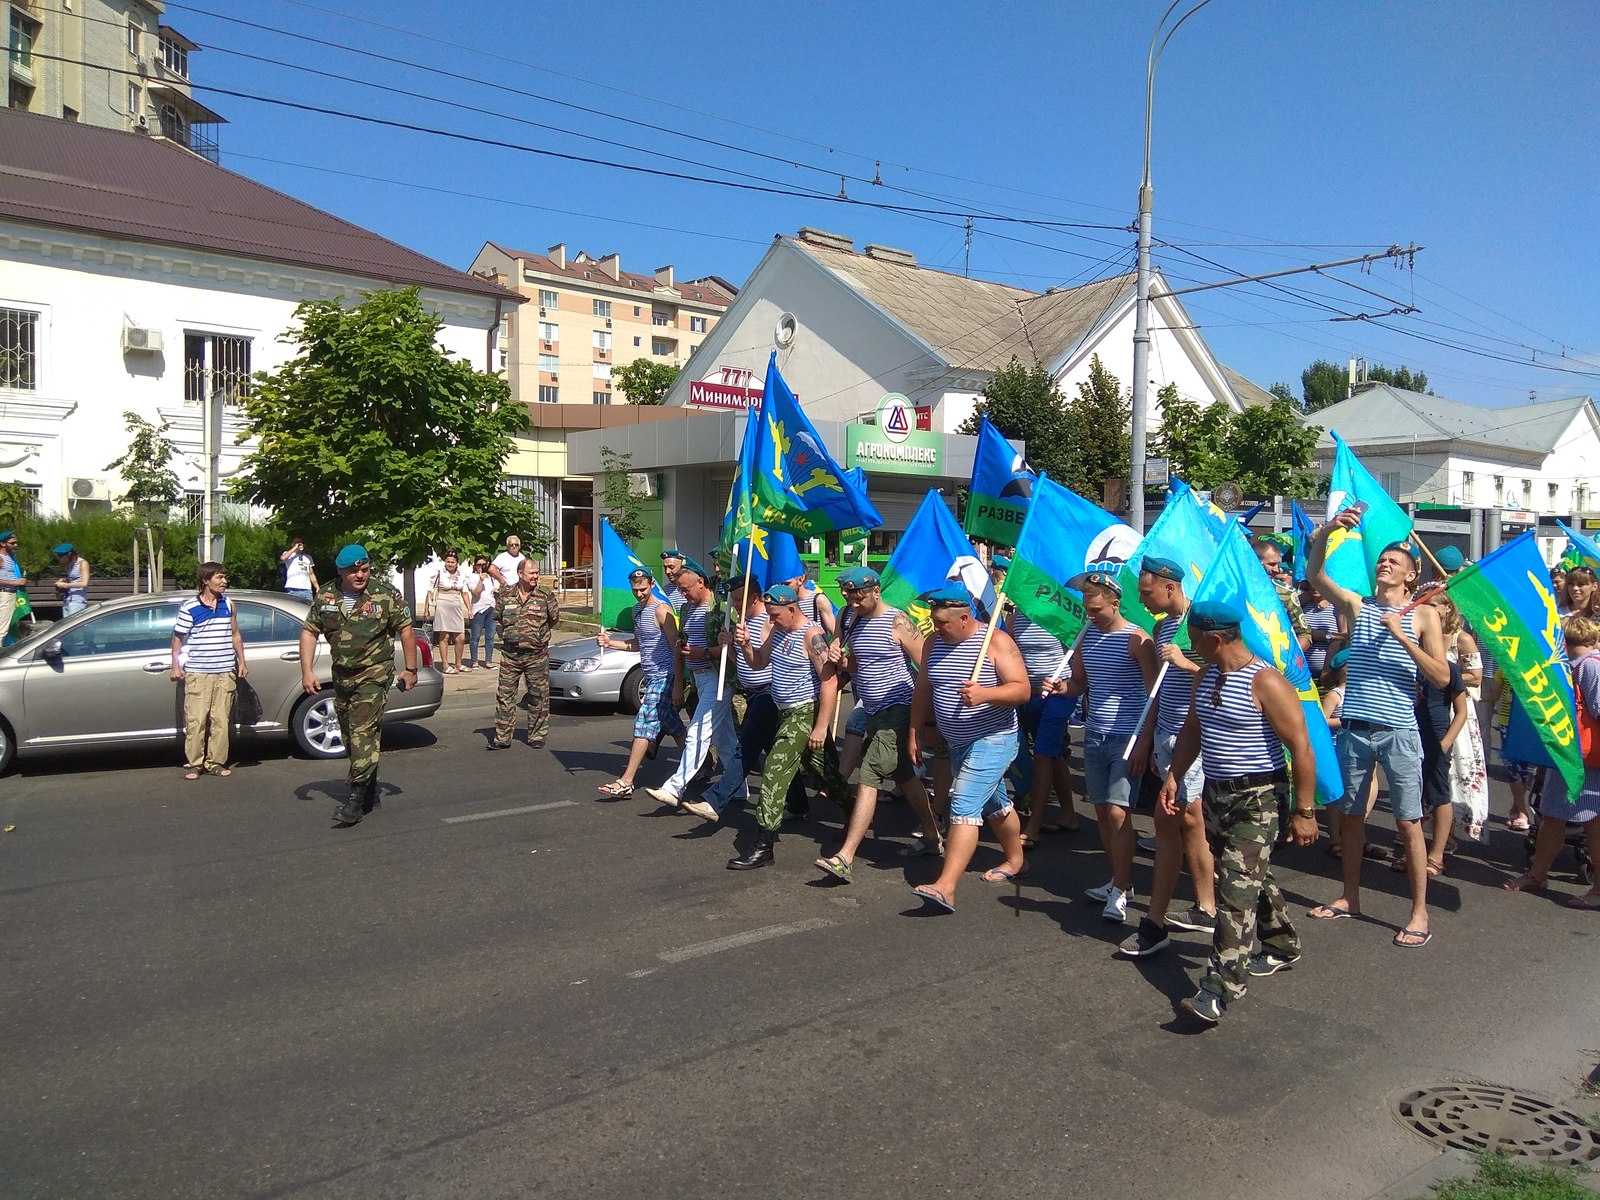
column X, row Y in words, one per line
column 51, row 650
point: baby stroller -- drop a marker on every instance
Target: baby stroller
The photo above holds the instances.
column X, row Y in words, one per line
column 1575, row 840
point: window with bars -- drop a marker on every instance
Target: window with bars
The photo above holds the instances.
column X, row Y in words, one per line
column 19, row 349
column 521, row 487
column 212, row 363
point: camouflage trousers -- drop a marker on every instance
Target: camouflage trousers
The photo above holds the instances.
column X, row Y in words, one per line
column 791, row 751
column 359, row 705
column 518, row 668
column 1241, row 827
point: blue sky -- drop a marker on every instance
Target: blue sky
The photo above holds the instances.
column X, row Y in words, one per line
column 1284, row 134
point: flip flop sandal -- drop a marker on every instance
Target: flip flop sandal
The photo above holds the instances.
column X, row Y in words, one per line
column 836, row 866
column 1425, row 934
column 1001, row 875
column 616, row 788
column 1525, row 883
column 1588, row 901
column 1030, row 842
column 934, row 896
column 1518, row 823
column 921, row 848
column 193, row 774
column 224, row 772
column 1326, row 912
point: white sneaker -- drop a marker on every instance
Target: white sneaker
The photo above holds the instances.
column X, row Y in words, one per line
column 700, row 809
column 1103, row 892
column 665, row 797
column 1116, row 909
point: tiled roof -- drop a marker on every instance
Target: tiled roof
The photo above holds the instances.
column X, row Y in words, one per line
column 128, row 185
column 1381, row 413
column 585, row 267
column 973, row 324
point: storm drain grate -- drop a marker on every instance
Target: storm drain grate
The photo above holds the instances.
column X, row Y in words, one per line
column 1479, row 1117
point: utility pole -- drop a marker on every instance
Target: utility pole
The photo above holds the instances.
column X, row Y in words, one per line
column 966, row 265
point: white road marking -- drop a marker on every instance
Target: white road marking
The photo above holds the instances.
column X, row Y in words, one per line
column 742, row 939
column 508, row 812
column 641, row 974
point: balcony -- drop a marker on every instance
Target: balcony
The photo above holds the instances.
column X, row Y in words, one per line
column 186, row 122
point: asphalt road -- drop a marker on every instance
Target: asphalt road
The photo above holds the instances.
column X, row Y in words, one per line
column 502, row 986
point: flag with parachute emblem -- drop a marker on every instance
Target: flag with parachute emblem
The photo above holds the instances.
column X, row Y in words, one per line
column 1063, row 534
column 1351, row 556
column 798, row 487
column 617, row 562
column 1237, row 578
column 928, row 549
column 1002, row 485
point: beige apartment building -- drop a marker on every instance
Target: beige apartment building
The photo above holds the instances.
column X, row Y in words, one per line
column 116, row 64
column 584, row 318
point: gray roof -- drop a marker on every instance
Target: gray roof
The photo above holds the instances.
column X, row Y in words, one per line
column 972, row 323
column 1380, row 413
column 1250, row 394
column 131, row 186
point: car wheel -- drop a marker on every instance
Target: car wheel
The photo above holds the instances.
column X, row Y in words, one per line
column 316, row 727
column 628, row 694
column 8, row 747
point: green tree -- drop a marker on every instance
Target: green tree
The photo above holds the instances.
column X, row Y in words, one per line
column 1097, row 440
column 1197, row 440
column 1282, row 392
column 152, row 488
column 373, row 433
column 1263, row 450
column 1400, row 377
column 1324, row 383
column 15, row 503
column 1024, row 404
column 625, row 510
column 643, row 381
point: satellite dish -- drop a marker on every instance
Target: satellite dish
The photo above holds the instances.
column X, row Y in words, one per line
column 1228, row 496
column 783, row 333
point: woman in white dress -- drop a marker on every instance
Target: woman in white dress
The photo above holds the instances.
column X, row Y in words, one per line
column 451, row 602
column 1469, row 769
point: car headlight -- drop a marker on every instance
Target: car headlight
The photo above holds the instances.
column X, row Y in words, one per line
column 584, row 666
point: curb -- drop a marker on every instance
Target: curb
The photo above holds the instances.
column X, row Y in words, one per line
column 1420, row 1184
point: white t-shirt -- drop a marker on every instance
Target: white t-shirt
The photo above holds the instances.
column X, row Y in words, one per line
column 485, row 600
column 507, row 563
column 297, row 573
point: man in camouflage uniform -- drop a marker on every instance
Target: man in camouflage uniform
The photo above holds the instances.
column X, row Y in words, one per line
column 1243, row 716
column 526, row 616
column 1271, row 556
column 360, row 617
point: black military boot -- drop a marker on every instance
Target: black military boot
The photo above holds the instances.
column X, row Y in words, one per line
column 369, row 796
column 759, row 855
column 350, row 811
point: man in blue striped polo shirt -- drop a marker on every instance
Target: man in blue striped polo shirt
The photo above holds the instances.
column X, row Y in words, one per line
column 208, row 658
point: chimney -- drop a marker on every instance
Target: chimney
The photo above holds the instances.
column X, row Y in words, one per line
column 830, row 241
column 664, row 275
column 558, row 255
column 891, row 254
column 611, row 264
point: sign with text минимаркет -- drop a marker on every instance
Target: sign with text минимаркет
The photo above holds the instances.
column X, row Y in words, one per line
column 894, row 445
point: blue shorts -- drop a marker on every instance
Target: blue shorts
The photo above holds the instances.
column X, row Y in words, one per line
column 1105, row 771
column 1045, row 718
column 1398, row 752
column 856, row 722
column 978, row 788
column 1193, row 782
column 656, row 714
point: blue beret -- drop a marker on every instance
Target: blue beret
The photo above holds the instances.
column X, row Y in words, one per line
column 691, row 566
column 64, row 548
column 1405, row 546
column 1450, row 558
column 350, row 556
column 1000, row 561
column 639, row 573
column 859, row 577
column 8, row 535
column 1210, row 615
column 951, row 592
column 1162, row 568
column 1338, row 658
column 780, row 593
column 673, row 553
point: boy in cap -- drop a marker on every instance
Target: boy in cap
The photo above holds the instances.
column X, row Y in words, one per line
column 360, row 617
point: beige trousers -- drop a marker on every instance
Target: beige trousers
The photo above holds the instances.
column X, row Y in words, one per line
column 207, row 712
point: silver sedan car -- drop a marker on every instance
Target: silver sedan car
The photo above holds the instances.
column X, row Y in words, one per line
column 582, row 672
column 101, row 678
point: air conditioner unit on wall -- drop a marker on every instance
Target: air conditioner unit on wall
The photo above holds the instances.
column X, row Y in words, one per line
column 136, row 339
column 88, row 489
column 643, row 485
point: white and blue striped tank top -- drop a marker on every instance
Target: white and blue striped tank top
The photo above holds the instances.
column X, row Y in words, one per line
column 1177, row 686
column 794, row 679
column 755, row 678
column 949, row 666
column 879, row 675
column 1041, row 649
column 1116, row 685
column 694, row 633
column 1381, row 680
column 1235, row 736
column 655, row 651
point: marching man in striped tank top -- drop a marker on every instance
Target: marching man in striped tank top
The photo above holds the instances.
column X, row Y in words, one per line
column 1116, row 667
column 874, row 644
column 1240, row 720
column 978, row 721
column 1378, row 720
column 655, row 627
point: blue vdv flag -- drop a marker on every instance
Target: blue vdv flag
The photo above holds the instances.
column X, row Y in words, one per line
column 776, row 558
column 617, row 562
column 1302, row 528
column 1001, row 488
column 1237, row 578
column 798, row 486
column 1352, row 554
column 1585, row 546
column 1216, row 520
column 923, row 557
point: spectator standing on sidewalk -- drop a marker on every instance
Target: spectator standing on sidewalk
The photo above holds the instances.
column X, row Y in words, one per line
column 73, row 586
column 452, row 598
column 480, row 632
column 526, row 615
column 208, row 659
column 360, row 618
column 299, row 574
column 504, row 567
column 11, row 583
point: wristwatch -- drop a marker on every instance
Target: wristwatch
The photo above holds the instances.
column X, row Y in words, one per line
column 1309, row 813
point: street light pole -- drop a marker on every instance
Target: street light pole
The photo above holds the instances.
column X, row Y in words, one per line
column 1141, row 307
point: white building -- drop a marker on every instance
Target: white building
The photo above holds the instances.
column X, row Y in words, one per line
column 135, row 276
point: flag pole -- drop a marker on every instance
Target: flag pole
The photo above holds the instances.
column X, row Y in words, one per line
column 988, row 634
column 1066, row 659
column 1144, row 713
column 1426, row 551
column 749, row 565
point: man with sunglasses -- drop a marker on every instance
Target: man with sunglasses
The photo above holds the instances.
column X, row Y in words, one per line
column 875, row 647
column 1242, row 717
column 360, row 617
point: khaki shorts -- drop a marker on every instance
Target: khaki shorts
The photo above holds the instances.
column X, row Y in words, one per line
column 884, row 758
